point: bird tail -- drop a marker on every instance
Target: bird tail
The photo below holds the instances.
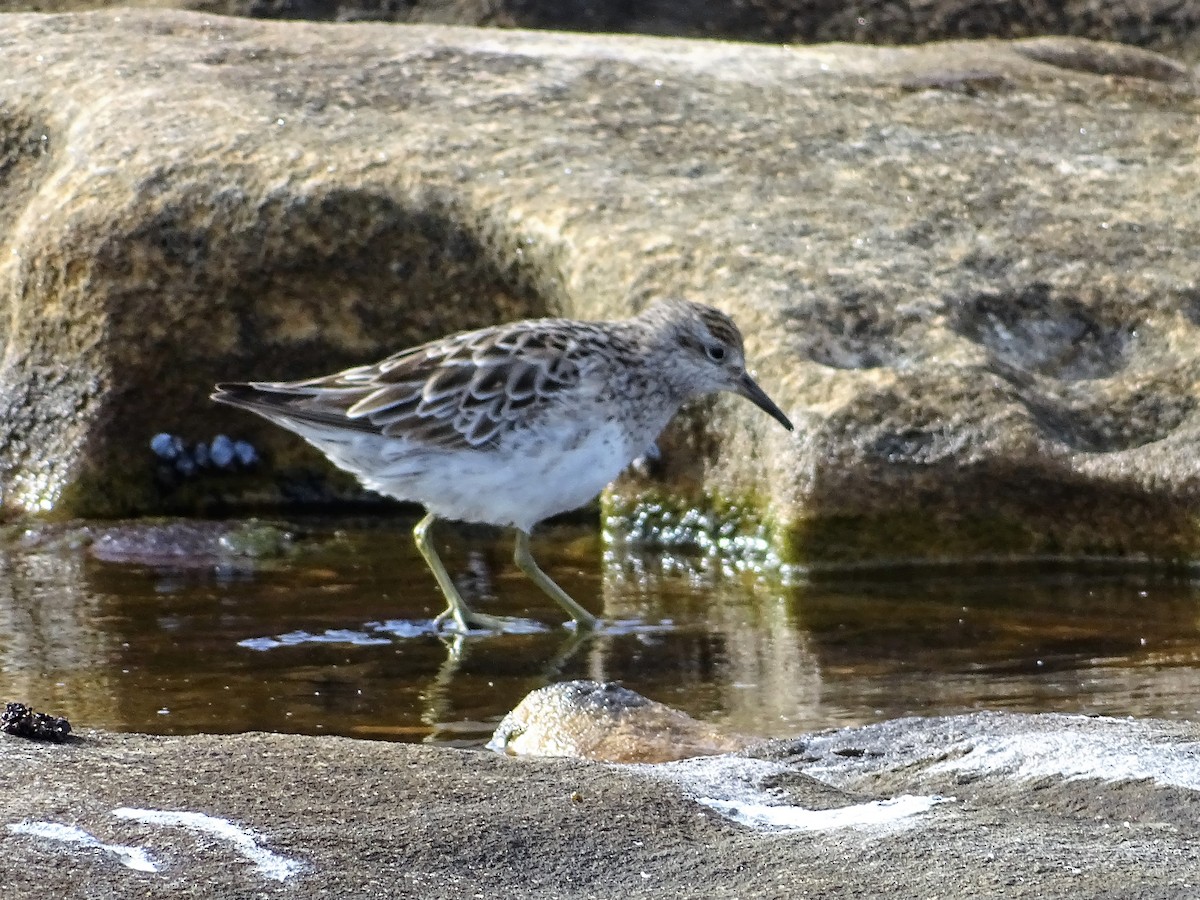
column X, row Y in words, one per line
column 291, row 404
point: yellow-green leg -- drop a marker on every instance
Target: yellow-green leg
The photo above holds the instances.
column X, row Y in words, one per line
column 525, row 561
column 456, row 609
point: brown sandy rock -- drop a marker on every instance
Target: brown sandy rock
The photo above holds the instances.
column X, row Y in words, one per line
column 606, row 722
column 1162, row 24
column 963, row 269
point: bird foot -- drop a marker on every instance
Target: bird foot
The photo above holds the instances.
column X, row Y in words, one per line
column 465, row 621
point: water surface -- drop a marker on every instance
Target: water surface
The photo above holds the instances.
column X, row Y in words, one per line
column 335, row 638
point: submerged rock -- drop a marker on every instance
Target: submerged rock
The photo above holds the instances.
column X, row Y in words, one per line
column 189, row 544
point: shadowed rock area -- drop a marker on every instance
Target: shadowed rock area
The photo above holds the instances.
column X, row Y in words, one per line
column 986, row 805
column 962, row 269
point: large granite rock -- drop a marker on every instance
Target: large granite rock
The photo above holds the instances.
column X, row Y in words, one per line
column 963, row 269
column 1149, row 23
column 980, row 806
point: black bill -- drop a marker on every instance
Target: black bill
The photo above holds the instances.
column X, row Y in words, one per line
column 749, row 389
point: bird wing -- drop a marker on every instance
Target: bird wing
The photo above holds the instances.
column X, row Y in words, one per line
column 461, row 392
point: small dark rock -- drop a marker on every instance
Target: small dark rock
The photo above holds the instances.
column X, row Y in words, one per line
column 21, row 721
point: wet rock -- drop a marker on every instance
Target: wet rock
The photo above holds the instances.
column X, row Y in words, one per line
column 21, row 721
column 188, row 543
column 589, row 720
column 1052, row 807
column 961, row 268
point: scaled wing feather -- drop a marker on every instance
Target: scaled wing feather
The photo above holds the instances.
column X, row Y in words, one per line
column 463, row 393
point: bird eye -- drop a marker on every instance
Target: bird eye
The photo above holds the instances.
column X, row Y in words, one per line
column 716, row 353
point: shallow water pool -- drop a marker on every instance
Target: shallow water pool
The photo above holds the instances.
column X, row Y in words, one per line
column 335, row 638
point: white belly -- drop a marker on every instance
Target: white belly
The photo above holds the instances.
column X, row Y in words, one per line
column 517, row 485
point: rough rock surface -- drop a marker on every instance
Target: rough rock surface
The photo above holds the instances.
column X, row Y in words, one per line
column 986, row 805
column 1151, row 23
column 963, row 269
column 591, row 720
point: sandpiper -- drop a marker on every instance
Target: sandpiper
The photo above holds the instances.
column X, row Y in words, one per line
column 512, row 424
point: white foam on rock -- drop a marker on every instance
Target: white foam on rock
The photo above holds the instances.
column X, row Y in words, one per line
column 269, row 865
column 731, row 786
column 131, row 857
column 1075, row 755
column 876, row 814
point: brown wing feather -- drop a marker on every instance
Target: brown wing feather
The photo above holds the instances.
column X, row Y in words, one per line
column 457, row 393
